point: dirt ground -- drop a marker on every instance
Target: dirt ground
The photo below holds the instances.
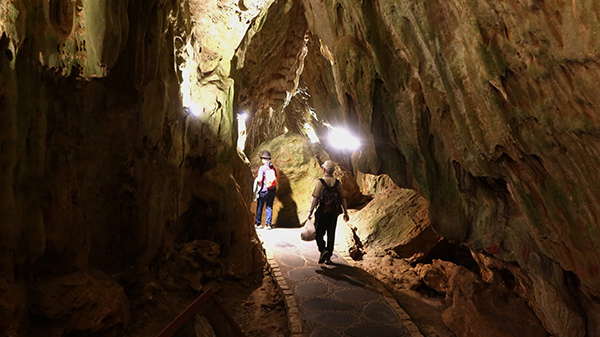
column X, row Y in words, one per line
column 255, row 305
column 260, row 311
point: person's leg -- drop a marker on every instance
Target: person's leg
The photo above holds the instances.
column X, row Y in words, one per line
column 331, row 235
column 322, row 228
column 260, row 202
column 270, row 198
column 320, row 232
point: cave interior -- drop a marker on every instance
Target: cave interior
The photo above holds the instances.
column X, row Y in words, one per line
column 130, row 135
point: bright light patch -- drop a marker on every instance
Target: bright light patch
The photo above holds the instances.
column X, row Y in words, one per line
column 310, row 132
column 342, row 139
column 313, row 113
column 241, row 143
column 194, row 109
column 186, row 85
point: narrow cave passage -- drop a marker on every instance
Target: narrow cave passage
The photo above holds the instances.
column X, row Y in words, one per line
column 126, row 190
column 379, row 255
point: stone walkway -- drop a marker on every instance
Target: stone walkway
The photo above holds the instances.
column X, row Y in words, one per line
column 331, row 300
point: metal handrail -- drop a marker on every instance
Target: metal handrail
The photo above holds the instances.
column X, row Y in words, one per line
column 192, row 309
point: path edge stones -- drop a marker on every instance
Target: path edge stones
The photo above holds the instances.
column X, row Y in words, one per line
column 293, row 313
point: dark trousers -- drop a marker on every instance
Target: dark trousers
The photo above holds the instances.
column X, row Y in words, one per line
column 325, row 224
column 265, row 198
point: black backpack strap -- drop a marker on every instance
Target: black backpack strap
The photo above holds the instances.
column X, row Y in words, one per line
column 323, row 182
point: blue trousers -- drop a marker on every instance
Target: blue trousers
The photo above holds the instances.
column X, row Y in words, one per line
column 265, row 198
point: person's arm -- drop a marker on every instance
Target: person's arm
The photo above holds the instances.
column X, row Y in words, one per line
column 344, row 205
column 260, row 175
column 313, row 204
column 345, row 210
column 316, row 194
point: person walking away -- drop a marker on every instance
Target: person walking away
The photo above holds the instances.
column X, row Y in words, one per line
column 327, row 194
column 267, row 178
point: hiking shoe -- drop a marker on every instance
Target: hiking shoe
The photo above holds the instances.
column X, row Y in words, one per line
column 328, row 261
column 324, row 256
column 268, row 227
column 258, row 226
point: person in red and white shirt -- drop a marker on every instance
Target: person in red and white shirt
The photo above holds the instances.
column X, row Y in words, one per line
column 267, row 178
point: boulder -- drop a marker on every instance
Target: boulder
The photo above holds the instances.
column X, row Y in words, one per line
column 193, row 265
column 436, row 275
column 88, row 302
column 396, row 220
column 480, row 309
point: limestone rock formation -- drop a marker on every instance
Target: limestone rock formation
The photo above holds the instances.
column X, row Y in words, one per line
column 487, row 108
column 437, row 275
column 491, row 311
column 118, row 133
column 13, row 308
column 297, row 166
column 105, row 162
column 100, row 305
column 396, row 221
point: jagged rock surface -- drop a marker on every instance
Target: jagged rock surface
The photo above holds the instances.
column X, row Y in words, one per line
column 105, row 163
column 492, row 310
column 490, row 110
column 487, row 108
column 396, row 221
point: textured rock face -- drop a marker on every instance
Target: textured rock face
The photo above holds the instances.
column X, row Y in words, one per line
column 117, row 130
column 99, row 302
column 271, row 94
column 298, row 165
column 397, row 222
column 491, row 311
column 103, row 164
column 490, row 110
column 297, row 168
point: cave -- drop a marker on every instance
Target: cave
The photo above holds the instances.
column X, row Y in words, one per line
column 131, row 134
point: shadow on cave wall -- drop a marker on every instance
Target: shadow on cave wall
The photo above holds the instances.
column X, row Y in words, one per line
column 287, row 215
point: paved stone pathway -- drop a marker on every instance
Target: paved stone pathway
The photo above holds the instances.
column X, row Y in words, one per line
column 331, row 300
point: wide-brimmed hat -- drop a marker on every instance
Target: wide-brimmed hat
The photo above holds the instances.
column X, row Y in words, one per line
column 328, row 165
column 265, row 155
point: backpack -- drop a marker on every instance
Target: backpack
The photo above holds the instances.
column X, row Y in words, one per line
column 331, row 200
column 270, row 180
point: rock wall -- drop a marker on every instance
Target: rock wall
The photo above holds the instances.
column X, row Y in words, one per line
column 490, row 110
column 106, row 165
column 117, row 134
column 267, row 70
